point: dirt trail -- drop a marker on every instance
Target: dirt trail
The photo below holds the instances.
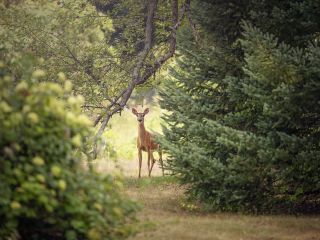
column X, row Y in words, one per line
column 165, row 216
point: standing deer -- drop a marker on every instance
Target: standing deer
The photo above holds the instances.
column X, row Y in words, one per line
column 146, row 142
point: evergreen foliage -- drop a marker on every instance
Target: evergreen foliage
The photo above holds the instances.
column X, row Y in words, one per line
column 244, row 115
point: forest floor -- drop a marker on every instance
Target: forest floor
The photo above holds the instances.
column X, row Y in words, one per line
column 166, row 215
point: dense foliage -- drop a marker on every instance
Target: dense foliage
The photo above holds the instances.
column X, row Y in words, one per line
column 70, row 36
column 45, row 191
column 244, row 123
column 96, row 42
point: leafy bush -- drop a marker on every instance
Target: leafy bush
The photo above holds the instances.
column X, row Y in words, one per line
column 45, row 193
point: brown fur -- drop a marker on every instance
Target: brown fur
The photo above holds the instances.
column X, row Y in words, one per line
column 146, row 143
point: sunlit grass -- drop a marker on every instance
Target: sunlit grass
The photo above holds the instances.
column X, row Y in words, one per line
column 163, row 216
column 147, row 182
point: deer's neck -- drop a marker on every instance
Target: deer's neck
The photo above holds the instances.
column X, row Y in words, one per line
column 141, row 131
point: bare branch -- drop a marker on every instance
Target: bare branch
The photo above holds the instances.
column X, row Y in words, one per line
column 192, row 24
column 148, row 41
column 93, row 106
column 176, row 22
column 137, row 79
column 112, row 103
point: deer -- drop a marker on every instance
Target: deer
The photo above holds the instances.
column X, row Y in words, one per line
column 146, row 143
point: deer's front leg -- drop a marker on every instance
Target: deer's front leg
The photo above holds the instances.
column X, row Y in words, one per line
column 140, row 161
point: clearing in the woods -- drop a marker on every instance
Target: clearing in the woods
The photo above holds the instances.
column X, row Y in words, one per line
column 165, row 214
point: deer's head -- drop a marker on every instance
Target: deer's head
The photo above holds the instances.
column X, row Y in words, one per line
column 140, row 116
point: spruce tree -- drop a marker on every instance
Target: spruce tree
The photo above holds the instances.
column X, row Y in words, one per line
column 243, row 126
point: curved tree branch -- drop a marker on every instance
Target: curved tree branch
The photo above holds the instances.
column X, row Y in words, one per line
column 137, row 77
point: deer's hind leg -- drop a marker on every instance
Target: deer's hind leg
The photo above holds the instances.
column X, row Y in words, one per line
column 160, row 160
column 152, row 162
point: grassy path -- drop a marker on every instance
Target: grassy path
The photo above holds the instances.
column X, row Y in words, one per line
column 164, row 217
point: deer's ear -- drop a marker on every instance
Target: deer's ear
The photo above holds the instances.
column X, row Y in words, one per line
column 134, row 111
column 146, row 111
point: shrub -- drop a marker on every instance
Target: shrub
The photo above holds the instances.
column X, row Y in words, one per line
column 45, row 194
